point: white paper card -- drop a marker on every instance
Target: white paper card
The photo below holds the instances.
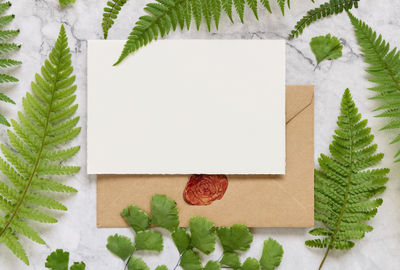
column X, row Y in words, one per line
column 187, row 106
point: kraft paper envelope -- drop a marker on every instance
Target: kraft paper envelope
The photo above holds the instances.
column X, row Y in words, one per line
column 255, row 200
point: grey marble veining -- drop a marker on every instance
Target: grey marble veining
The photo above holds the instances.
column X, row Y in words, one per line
column 39, row 21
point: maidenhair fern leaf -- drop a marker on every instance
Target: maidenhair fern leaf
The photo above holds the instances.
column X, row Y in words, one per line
column 34, row 154
column 6, row 48
column 165, row 15
column 110, row 14
column 59, row 260
column 324, row 10
column 384, row 68
column 343, row 187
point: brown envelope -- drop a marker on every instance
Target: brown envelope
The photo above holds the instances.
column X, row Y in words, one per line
column 257, row 201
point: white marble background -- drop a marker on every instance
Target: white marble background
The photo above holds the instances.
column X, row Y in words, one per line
column 39, row 21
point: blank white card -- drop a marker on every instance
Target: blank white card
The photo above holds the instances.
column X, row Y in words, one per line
column 186, row 107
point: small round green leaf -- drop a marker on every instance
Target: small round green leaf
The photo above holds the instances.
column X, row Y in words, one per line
column 251, row 264
column 190, row 260
column 121, row 246
column 212, row 265
column 138, row 219
column 271, row 255
column 237, row 237
column 326, row 48
column 137, row 264
column 164, row 212
column 58, row 260
column 203, row 234
column 149, row 240
column 231, row 259
column 181, row 239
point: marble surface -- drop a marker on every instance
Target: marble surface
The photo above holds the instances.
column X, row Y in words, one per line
column 39, row 21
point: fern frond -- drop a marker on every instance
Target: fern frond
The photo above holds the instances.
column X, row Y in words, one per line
column 5, row 48
column 324, row 10
column 34, row 154
column 343, row 188
column 165, row 15
column 110, row 14
column 384, row 69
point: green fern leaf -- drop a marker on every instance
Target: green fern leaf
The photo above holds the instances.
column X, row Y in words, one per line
column 343, row 186
column 282, row 5
column 5, row 48
column 239, row 6
column 384, row 68
column 110, row 14
column 227, row 7
column 253, row 5
column 324, row 10
column 64, row 3
column 216, row 10
column 165, row 15
column 266, row 4
column 34, row 154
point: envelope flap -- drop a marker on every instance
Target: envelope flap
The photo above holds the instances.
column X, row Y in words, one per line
column 295, row 103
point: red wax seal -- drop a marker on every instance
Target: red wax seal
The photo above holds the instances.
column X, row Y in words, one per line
column 204, row 189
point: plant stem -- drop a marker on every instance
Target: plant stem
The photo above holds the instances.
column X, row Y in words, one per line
column 126, row 265
column 179, row 261
column 325, row 256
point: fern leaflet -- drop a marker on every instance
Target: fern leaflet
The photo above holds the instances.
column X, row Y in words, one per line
column 166, row 15
column 34, row 155
column 324, row 10
column 5, row 48
column 64, row 3
column 110, row 14
column 384, row 68
column 343, row 188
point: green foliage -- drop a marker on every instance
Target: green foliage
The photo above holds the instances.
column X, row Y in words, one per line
column 250, row 264
column 201, row 238
column 59, row 260
column 343, row 186
column 149, row 240
column 121, row 246
column 165, row 16
column 202, row 233
column 138, row 219
column 231, row 259
column 6, row 48
column 235, row 238
column 190, row 260
column 326, row 48
column 110, row 14
column 271, row 255
column 137, row 264
column 164, row 212
column 384, row 69
column 212, row 265
column 324, row 10
column 78, row 266
column 35, row 153
column 181, row 239
column 162, row 267
column 64, row 3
